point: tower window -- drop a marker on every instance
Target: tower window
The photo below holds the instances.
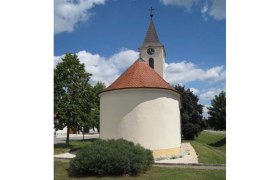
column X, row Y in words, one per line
column 151, row 63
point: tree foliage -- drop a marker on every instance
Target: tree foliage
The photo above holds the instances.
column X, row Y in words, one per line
column 98, row 88
column 72, row 94
column 190, row 130
column 93, row 118
column 217, row 112
column 191, row 113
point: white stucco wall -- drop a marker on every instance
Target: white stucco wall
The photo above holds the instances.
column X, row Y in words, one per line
column 150, row 117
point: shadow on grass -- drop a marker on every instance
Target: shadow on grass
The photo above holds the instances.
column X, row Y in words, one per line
column 101, row 176
column 63, row 145
column 219, row 143
column 74, row 145
column 74, row 150
column 86, row 140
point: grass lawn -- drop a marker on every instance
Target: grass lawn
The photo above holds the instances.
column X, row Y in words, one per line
column 61, row 173
column 210, row 147
column 73, row 146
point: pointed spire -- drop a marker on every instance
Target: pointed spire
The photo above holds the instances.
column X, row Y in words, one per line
column 151, row 38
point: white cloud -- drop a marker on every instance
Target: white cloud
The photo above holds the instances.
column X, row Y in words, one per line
column 105, row 69
column 210, row 94
column 57, row 59
column 194, row 90
column 185, row 3
column 205, row 111
column 204, row 10
column 184, row 72
column 217, row 8
column 124, row 58
column 214, row 74
column 69, row 13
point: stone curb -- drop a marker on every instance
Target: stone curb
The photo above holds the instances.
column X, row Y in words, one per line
column 69, row 158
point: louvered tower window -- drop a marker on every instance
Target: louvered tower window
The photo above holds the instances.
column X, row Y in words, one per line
column 151, row 62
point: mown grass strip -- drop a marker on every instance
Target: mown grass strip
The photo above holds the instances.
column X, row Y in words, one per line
column 210, row 147
column 61, row 173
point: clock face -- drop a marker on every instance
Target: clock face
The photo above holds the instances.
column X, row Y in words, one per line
column 151, row 51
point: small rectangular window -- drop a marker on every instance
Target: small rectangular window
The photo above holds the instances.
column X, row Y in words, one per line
column 151, row 63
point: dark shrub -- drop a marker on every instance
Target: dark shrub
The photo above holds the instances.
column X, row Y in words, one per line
column 197, row 128
column 190, row 131
column 204, row 124
column 111, row 157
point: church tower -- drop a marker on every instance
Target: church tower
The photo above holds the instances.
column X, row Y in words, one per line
column 152, row 51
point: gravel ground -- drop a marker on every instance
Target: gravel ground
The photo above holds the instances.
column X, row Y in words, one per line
column 187, row 151
column 189, row 155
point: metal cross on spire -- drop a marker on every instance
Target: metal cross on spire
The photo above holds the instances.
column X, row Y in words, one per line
column 151, row 12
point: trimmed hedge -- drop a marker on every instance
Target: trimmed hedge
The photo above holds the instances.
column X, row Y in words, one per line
column 111, row 157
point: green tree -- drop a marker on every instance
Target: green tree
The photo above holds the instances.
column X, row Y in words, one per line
column 72, row 94
column 217, row 112
column 204, row 124
column 98, row 88
column 91, row 119
column 87, row 121
column 191, row 113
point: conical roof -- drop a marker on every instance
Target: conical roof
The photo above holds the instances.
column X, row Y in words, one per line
column 151, row 38
column 139, row 75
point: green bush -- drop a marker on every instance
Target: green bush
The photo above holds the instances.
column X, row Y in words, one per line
column 190, row 131
column 111, row 157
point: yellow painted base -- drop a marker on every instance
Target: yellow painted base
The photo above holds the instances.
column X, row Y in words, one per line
column 166, row 152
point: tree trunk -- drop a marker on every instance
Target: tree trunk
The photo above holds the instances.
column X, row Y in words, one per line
column 67, row 138
column 83, row 133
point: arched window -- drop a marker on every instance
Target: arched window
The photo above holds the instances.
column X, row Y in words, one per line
column 151, row 62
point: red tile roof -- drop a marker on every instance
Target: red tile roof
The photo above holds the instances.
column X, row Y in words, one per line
column 139, row 75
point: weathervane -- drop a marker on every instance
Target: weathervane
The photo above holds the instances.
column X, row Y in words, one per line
column 151, row 12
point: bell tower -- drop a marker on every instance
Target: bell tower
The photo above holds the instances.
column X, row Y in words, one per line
column 152, row 51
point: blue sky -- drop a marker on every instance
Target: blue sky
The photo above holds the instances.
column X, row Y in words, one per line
column 107, row 33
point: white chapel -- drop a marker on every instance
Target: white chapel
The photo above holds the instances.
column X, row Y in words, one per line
column 140, row 106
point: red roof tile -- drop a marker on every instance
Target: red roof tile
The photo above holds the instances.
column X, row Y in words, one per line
column 139, row 75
